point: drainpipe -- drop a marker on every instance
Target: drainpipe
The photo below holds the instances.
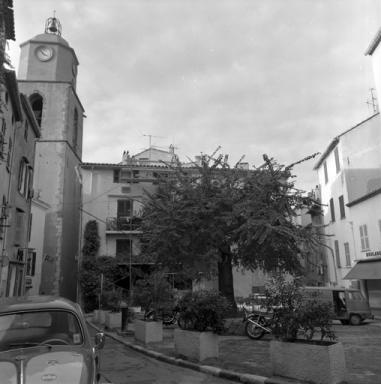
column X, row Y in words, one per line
column 334, row 265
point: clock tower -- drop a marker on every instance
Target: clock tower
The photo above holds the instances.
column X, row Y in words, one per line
column 47, row 76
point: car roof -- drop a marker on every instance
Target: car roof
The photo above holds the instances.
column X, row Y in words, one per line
column 27, row 303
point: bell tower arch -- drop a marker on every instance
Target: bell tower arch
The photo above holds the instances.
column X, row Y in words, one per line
column 47, row 75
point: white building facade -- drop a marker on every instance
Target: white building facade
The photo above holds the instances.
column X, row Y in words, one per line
column 349, row 173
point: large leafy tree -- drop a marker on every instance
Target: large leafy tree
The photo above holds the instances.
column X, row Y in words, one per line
column 209, row 218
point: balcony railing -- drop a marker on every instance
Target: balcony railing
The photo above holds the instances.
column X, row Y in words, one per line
column 127, row 223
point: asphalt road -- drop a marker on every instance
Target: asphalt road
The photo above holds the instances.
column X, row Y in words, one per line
column 122, row 365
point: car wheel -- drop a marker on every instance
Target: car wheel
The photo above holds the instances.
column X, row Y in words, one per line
column 355, row 320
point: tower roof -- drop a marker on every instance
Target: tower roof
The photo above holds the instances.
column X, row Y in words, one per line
column 48, row 38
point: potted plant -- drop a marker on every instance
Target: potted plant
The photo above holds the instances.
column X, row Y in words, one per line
column 113, row 317
column 201, row 319
column 152, row 293
column 296, row 351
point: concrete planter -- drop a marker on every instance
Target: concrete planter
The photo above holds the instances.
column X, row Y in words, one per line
column 113, row 320
column 302, row 360
column 196, row 345
column 148, row 331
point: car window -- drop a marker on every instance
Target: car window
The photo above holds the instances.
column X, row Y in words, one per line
column 25, row 329
column 355, row 296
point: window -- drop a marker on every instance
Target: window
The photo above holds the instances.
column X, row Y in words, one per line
column 25, row 177
column 31, row 263
column 123, row 249
column 124, row 208
column 347, row 255
column 325, row 172
column 364, row 237
column 26, row 128
column 35, row 328
column 2, row 138
column 75, row 129
column 337, row 253
column 342, row 207
column 3, row 216
column 122, row 175
column 337, row 160
column 19, row 227
column 36, row 102
column 116, row 175
column 332, row 209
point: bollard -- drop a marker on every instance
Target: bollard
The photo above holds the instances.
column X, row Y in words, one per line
column 124, row 308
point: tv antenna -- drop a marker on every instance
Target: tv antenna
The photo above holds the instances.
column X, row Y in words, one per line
column 150, row 139
column 373, row 101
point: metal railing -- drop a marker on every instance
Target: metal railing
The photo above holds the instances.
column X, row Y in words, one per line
column 128, row 223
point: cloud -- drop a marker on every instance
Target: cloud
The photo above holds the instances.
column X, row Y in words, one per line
column 255, row 77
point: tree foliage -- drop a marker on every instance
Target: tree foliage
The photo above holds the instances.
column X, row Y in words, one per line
column 92, row 267
column 211, row 217
column 90, row 282
column 91, row 239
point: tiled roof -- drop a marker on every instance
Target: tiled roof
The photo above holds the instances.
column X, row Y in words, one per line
column 365, row 197
column 113, row 165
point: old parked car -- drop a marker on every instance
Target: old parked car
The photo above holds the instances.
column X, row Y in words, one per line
column 44, row 339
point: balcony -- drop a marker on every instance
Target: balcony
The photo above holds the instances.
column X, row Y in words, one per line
column 117, row 225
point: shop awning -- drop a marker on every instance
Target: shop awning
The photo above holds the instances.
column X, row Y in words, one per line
column 367, row 269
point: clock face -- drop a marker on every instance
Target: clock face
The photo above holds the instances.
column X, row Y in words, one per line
column 44, row 53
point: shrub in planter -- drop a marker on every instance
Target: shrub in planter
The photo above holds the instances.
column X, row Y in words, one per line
column 153, row 293
column 295, row 353
column 201, row 318
column 295, row 316
column 203, row 310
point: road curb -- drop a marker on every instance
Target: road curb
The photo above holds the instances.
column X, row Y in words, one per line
column 246, row 378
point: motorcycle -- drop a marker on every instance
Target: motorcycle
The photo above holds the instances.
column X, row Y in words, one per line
column 257, row 324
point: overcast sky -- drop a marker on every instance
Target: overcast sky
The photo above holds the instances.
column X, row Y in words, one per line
column 257, row 76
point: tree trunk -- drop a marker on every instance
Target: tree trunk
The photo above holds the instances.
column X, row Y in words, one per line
column 225, row 278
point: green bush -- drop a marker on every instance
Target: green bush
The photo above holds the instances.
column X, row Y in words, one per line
column 154, row 292
column 295, row 316
column 203, row 310
column 90, row 281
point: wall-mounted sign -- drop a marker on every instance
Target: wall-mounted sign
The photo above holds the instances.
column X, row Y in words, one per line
column 373, row 253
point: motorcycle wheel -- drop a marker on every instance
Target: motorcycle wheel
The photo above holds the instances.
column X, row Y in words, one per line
column 150, row 315
column 253, row 331
column 168, row 319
